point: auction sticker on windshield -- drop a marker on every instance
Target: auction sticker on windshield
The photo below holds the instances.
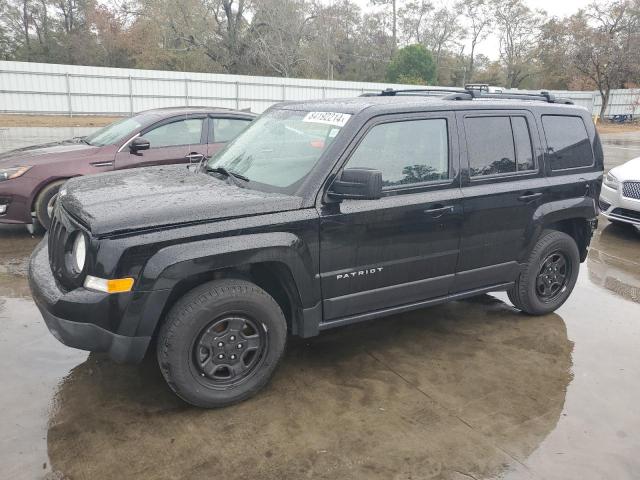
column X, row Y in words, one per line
column 327, row 118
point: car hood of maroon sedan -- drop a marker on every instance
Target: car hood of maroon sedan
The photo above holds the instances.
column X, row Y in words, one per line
column 49, row 152
column 162, row 197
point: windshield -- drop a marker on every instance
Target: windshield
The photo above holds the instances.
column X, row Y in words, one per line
column 114, row 132
column 281, row 147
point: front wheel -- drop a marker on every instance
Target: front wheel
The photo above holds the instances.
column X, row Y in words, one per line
column 221, row 343
column 45, row 203
column 549, row 276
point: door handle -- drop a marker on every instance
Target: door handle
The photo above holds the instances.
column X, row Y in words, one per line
column 529, row 196
column 194, row 157
column 439, row 210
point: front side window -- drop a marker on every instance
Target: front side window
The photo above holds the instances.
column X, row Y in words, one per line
column 406, row 152
column 280, row 147
column 182, row 132
column 226, row 129
column 114, row 132
column 567, row 142
column 498, row 145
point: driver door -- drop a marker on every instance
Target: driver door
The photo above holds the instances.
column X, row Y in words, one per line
column 176, row 140
column 401, row 249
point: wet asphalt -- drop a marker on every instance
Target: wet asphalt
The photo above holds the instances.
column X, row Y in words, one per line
column 467, row 390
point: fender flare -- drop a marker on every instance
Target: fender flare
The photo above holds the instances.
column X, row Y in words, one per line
column 175, row 263
column 553, row 212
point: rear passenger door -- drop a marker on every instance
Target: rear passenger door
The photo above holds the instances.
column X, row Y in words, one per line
column 402, row 248
column 503, row 183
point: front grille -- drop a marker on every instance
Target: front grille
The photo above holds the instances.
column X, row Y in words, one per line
column 58, row 237
column 631, row 190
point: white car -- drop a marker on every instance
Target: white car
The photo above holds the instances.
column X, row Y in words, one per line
column 620, row 196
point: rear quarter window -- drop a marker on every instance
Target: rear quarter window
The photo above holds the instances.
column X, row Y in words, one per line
column 568, row 144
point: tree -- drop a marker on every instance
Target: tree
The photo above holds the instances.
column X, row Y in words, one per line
column 412, row 64
column 281, row 26
column 554, row 60
column 394, row 18
column 604, row 45
column 518, row 28
column 479, row 15
column 438, row 30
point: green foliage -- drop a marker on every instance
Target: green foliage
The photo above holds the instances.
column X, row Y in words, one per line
column 412, row 64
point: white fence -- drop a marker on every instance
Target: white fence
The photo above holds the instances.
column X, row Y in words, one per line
column 77, row 90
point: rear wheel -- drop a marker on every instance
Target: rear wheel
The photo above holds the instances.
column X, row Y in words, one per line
column 549, row 276
column 221, row 343
column 45, row 202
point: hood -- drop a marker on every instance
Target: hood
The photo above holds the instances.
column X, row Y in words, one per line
column 628, row 171
column 153, row 197
column 36, row 154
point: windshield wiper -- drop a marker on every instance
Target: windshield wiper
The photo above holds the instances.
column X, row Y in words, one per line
column 226, row 173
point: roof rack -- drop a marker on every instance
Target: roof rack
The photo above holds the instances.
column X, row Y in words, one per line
column 473, row 91
column 482, row 87
column 391, row 92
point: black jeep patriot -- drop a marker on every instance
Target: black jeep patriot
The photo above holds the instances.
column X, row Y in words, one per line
column 321, row 214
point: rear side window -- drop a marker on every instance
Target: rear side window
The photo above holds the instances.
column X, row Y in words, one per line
column 226, row 129
column 498, row 145
column 406, row 152
column 567, row 142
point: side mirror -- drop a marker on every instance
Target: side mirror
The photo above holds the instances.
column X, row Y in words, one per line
column 357, row 183
column 138, row 144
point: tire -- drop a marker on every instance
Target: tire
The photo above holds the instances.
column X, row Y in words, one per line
column 538, row 292
column 206, row 323
column 44, row 203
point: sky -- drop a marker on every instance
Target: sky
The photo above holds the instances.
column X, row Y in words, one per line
column 555, row 8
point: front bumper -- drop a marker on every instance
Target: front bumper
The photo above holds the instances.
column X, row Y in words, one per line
column 614, row 206
column 17, row 195
column 80, row 318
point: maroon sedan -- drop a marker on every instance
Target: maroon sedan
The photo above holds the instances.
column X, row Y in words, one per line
column 30, row 177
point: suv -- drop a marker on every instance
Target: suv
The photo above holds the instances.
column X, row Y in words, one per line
column 321, row 214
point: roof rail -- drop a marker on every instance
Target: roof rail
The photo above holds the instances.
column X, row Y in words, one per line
column 390, row 92
column 473, row 91
column 543, row 96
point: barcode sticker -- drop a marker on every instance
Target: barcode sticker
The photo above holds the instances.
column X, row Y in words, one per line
column 327, row 118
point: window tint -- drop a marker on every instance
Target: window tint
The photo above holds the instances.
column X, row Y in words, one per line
column 182, row 132
column 490, row 146
column 498, row 145
column 567, row 141
column 522, row 139
column 405, row 152
column 226, row 129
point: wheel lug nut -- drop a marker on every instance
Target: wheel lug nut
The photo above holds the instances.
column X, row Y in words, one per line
column 239, row 346
column 221, row 356
column 232, row 338
column 220, row 344
column 233, row 357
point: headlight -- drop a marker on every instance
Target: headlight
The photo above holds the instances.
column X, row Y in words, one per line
column 13, row 172
column 79, row 252
column 611, row 181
